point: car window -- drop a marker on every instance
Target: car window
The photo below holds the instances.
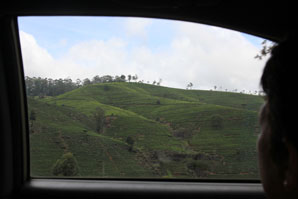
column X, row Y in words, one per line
column 123, row 97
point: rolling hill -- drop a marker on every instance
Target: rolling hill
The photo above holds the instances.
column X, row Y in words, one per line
column 175, row 133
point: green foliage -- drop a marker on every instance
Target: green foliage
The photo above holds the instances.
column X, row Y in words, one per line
column 123, row 77
column 32, row 116
column 189, row 85
column 197, row 164
column 130, row 110
column 48, row 87
column 106, row 88
column 130, row 142
column 198, row 167
column 86, row 81
column 129, row 78
column 217, row 121
column 182, row 132
column 66, row 166
column 99, row 116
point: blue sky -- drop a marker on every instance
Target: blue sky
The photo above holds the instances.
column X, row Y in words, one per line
column 80, row 47
column 60, row 33
column 57, row 34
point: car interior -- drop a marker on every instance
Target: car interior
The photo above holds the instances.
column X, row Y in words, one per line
column 271, row 20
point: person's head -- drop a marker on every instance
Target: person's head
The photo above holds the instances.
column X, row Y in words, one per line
column 278, row 142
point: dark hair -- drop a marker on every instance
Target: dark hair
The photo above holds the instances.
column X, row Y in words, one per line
column 279, row 82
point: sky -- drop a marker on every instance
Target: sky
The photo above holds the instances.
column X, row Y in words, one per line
column 175, row 51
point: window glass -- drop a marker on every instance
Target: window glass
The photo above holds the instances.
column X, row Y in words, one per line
column 120, row 97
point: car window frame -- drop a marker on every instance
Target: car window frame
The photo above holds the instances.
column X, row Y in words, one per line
column 16, row 132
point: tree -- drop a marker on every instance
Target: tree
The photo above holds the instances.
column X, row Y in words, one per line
column 32, row 118
column 29, row 85
column 159, row 82
column 49, row 87
column 78, row 83
column 217, row 121
column 198, row 167
column 129, row 78
column 135, row 77
column 99, row 117
column 122, row 77
column 130, row 143
column 32, row 115
column 266, row 49
column 96, row 79
column 189, row 85
column 117, row 79
column 67, row 165
column 86, row 81
column 106, row 78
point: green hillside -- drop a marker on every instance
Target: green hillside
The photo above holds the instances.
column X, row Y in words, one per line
column 146, row 131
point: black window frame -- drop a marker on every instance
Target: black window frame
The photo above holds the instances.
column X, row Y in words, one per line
column 15, row 179
column 17, row 136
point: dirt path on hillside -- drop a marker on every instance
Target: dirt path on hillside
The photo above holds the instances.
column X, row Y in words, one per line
column 62, row 142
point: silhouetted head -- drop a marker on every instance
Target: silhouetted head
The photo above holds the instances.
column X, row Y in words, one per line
column 278, row 142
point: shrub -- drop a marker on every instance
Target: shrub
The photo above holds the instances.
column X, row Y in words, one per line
column 67, row 165
column 182, row 133
column 99, row 117
column 106, row 88
column 32, row 118
column 198, row 167
column 130, row 142
column 217, row 121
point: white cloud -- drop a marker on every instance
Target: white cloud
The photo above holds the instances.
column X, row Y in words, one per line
column 205, row 56
column 37, row 60
column 214, row 56
column 98, row 57
column 137, row 27
column 85, row 59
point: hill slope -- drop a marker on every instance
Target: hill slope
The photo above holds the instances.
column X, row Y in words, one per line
column 174, row 132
